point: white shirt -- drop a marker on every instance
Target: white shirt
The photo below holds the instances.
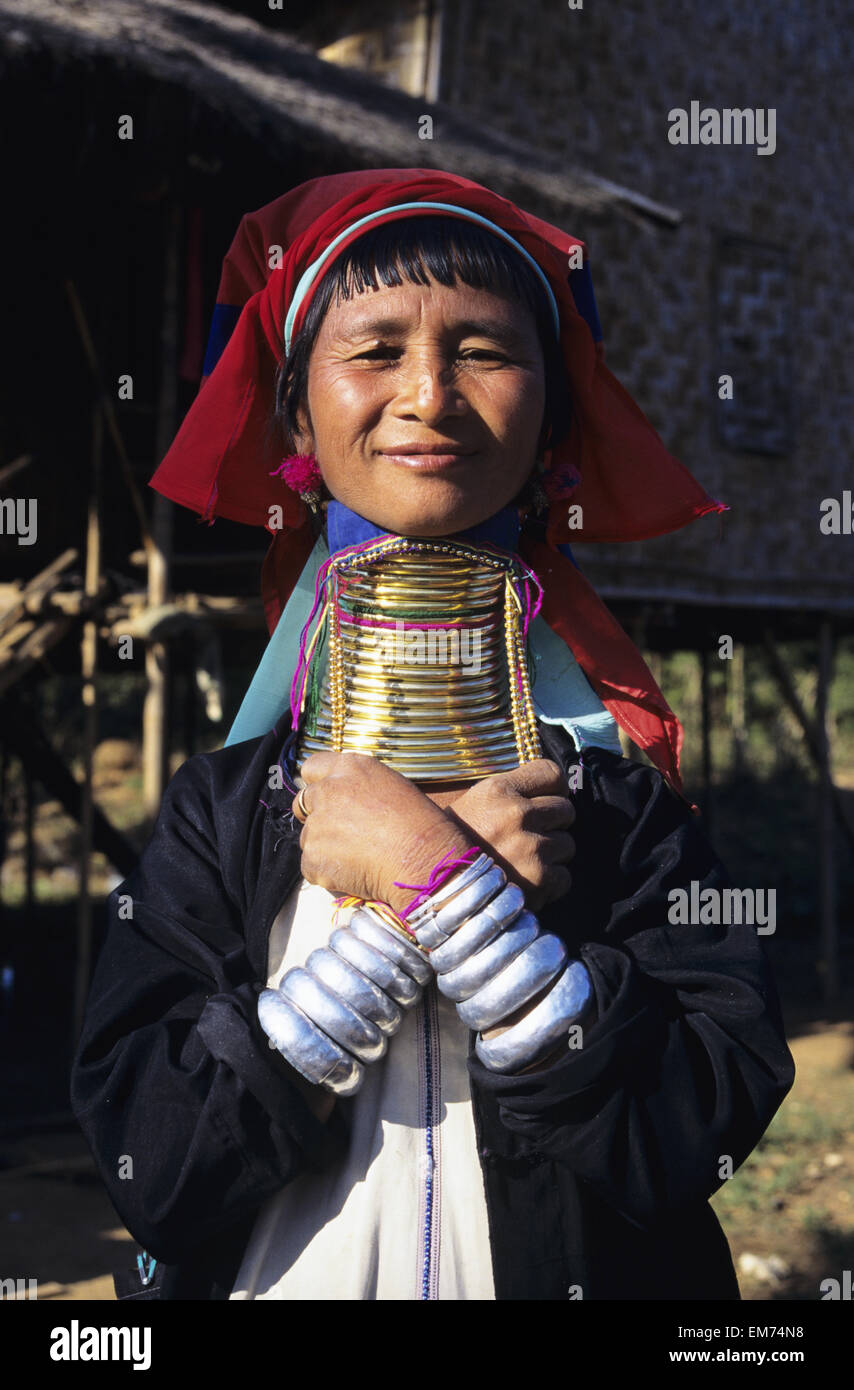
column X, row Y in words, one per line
column 403, row 1214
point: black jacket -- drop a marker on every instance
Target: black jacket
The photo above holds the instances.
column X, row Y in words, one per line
column 597, row 1170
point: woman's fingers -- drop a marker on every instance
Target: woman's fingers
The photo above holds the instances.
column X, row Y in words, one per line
column 548, row 813
column 556, row 848
column 334, row 768
column 542, row 777
column 319, row 765
column 313, row 770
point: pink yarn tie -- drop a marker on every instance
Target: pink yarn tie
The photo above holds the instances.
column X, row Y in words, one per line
column 442, row 868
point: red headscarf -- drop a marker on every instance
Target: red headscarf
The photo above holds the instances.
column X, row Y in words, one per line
column 630, row 487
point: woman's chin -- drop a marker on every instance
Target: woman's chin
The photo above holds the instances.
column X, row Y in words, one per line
column 429, row 521
column 427, row 527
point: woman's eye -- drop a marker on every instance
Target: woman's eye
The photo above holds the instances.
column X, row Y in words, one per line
column 378, row 353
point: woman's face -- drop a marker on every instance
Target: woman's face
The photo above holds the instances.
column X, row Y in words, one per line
column 426, row 405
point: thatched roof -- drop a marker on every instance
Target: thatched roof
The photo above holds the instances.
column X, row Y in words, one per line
column 278, row 89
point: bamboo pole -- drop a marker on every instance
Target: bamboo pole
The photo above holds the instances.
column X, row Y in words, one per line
column 89, row 666
column 434, row 23
column 31, row 651
column 155, row 742
column 29, row 597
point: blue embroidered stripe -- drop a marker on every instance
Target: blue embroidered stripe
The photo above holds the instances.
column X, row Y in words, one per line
column 428, row 1131
column 429, row 1020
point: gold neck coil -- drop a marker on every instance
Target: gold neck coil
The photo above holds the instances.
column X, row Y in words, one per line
column 422, row 662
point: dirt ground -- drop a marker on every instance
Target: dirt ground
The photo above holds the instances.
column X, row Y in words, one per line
column 59, row 1226
column 788, row 1212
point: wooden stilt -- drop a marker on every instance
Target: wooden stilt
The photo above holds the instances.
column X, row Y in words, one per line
column 827, row 882
column 155, row 739
column 154, row 735
column 89, row 665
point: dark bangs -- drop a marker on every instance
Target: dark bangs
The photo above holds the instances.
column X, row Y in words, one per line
column 425, row 248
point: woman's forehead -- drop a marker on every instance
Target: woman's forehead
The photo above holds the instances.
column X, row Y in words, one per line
column 395, row 309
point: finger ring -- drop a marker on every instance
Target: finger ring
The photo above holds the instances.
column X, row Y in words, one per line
column 299, row 807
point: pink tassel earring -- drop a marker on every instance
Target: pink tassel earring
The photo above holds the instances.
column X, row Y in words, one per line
column 300, row 472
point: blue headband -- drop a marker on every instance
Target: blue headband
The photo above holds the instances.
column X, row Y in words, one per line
column 311, row 274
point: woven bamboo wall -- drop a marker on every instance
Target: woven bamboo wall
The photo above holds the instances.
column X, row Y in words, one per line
column 773, row 309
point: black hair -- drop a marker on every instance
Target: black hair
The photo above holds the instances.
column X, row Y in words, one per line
column 443, row 248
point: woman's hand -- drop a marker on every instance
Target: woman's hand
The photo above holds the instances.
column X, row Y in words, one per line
column 522, row 819
column 368, row 826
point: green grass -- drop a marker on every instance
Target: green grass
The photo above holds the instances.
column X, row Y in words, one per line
column 800, row 1134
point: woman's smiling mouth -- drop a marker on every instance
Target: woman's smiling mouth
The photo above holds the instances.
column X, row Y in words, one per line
column 428, row 457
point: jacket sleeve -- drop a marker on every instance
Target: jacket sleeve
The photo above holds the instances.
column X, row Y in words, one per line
column 190, row 1115
column 685, row 1061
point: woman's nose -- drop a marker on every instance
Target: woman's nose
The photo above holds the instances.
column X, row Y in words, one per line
column 429, row 388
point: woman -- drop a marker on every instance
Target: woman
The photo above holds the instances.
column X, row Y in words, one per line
column 500, row 1077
